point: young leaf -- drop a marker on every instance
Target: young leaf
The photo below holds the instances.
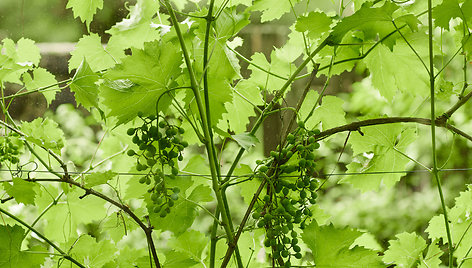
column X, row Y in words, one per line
column 135, row 30
column 191, row 243
column 245, row 140
column 45, row 133
column 42, row 79
column 23, row 191
column 316, row 23
column 98, row 178
column 405, row 251
column 97, row 57
column 272, row 10
column 84, row 86
column 85, row 9
column 92, row 253
column 330, row 113
column 17, row 59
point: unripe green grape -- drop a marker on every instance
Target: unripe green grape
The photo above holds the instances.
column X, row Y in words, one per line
column 181, row 130
column 276, row 255
column 263, row 169
column 266, row 198
column 300, row 148
column 175, row 171
column 170, row 203
column 131, row 131
column 278, row 188
column 174, row 196
column 302, row 194
column 287, row 264
column 131, row 152
column 260, row 224
column 302, row 162
column 286, row 240
column 298, row 255
column 156, row 209
column 289, row 154
column 301, row 124
column 162, row 124
column 317, row 145
column 142, row 146
column 184, row 144
column 284, row 253
column 311, row 139
column 142, row 180
column 294, row 234
column 135, row 139
column 176, row 190
column 256, row 215
column 163, row 214
column 150, row 162
column 296, row 248
column 285, row 191
column 154, row 197
column 267, row 243
column 180, row 158
column 274, row 154
column 273, row 242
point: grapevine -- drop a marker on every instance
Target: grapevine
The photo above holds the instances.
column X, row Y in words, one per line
column 287, row 202
column 160, row 148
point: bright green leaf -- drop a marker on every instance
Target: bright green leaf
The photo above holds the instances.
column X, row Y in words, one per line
column 84, row 86
column 316, row 23
column 23, row 191
column 330, row 113
column 191, row 243
column 136, row 84
column 331, row 247
column 405, row 251
column 85, row 9
column 11, row 255
column 92, row 254
column 98, row 178
column 245, row 140
column 42, row 79
column 97, row 57
column 44, row 132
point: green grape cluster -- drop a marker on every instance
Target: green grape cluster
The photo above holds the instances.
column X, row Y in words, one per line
column 160, row 148
column 288, row 201
column 10, row 148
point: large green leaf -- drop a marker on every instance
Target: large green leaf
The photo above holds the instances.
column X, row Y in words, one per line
column 23, row 191
column 331, row 247
column 136, row 84
column 330, row 113
column 11, row 255
column 42, row 79
column 91, row 253
column 387, row 143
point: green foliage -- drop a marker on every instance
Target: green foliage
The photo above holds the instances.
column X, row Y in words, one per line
column 165, row 169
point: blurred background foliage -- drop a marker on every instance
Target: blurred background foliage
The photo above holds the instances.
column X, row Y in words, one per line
column 406, row 207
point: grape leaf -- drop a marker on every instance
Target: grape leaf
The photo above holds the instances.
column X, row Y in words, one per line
column 370, row 20
column 459, row 224
column 98, row 178
column 11, row 255
column 445, row 12
column 183, row 213
column 245, row 140
column 330, row 113
column 44, row 132
column 135, row 30
column 64, row 217
column 23, row 191
column 176, row 259
column 91, row 253
column 432, row 258
column 382, row 140
column 191, row 243
column 331, row 247
column 316, row 23
column 277, row 66
column 245, row 97
column 272, row 10
column 136, row 84
column 399, row 69
column 42, row 79
column 405, row 251
column 17, row 59
column 97, row 57
column 84, row 86
column 85, row 9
